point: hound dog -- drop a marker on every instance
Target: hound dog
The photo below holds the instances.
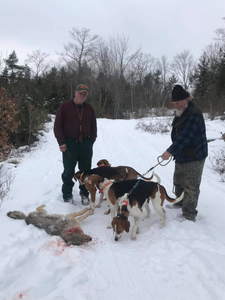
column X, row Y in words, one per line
column 96, row 180
column 67, row 227
column 102, row 163
column 111, row 173
column 132, row 196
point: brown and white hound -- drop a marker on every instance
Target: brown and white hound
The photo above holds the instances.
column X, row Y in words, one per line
column 111, row 173
column 131, row 196
column 102, row 163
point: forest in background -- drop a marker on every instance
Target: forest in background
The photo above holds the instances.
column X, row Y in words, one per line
column 122, row 83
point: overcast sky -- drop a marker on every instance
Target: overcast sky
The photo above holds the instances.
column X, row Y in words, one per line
column 159, row 27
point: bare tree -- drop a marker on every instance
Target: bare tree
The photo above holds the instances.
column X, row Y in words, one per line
column 220, row 35
column 164, row 68
column 182, row 65
column 1, row 61
column 38, row 60
column 81, row 51
column 138, row 70
column 120, row 57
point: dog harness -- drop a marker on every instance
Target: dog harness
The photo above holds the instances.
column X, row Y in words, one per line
column 122, row 217
column 101, row 190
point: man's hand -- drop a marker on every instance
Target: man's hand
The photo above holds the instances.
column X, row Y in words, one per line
column 62, row 147
column 166, row 155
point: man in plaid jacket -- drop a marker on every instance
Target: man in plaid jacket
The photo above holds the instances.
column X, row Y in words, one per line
column 189, row 149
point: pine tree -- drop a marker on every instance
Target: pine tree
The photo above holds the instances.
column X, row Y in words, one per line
column 8, row 123
column 12, row 65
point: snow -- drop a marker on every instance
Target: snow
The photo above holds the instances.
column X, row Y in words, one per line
column 182, row 261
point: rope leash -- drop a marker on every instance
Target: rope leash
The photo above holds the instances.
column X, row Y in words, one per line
column 159, row 163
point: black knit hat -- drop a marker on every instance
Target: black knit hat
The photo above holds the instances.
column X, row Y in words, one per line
column 178, row 93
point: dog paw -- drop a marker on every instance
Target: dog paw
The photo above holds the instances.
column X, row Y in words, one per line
column 133, row 238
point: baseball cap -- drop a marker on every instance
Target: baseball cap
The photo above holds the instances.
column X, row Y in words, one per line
column 81, row 88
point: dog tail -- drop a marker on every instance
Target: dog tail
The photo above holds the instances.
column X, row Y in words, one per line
column 168, row 198
column 149, row 179
column 17, row 215
column 157, row 177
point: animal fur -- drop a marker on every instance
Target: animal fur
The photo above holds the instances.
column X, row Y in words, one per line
column 103, row 162
column 111, row 173
column 67, row 227
column 96, row 180
column 130, row 199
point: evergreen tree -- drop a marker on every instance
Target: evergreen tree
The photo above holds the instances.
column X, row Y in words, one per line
column 11, row 63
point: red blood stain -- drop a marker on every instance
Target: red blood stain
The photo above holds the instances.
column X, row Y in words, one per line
column 74, row 230
column 21, row 296
column 56, row 247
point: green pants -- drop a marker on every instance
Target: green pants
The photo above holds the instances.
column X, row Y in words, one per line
column 80, row 153
column 187, row 177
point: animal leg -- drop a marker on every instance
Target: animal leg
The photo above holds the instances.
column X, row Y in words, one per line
column 77, row 213
column 113, row 209
column 90, row 212
column 146, row 205
column 135, row 228
column 41, row 209
column 92, row 190
column 100, row 200
column 159, row 210
column 107, row 212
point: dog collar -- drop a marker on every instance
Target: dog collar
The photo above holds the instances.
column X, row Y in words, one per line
column 122, row 216
column 101, row 190
column 102, row 165
column 126, row 202
column 81, row 177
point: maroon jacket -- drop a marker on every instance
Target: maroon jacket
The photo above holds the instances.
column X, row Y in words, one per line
column 67, row 122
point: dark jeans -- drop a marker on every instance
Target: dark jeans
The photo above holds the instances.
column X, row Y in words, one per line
column 80, row 153
column 187, row 177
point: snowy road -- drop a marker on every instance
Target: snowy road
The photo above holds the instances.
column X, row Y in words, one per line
column 182, row 261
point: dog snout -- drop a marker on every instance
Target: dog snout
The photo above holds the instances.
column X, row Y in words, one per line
column 116, row 239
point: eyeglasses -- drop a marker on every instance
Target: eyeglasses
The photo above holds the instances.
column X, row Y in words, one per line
column 83, row 94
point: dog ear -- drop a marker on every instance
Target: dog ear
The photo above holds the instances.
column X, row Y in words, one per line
column 77, row 175
column 104, row 162
column 107, row 163
column 113, row 223
column 127, row 226
column 99, row 163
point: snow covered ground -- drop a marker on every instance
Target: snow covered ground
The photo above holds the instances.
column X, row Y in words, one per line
column 182, row 261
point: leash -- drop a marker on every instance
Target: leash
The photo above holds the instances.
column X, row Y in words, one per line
column 159, row 163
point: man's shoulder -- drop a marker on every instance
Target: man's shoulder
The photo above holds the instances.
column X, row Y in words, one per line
column 67, row 102
column 89, row 106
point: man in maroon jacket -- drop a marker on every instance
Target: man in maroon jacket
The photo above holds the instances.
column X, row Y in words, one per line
column 75, row 129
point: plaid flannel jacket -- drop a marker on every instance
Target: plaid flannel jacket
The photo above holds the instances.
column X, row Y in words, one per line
column 189, row 136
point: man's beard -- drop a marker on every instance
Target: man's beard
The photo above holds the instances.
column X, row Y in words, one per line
column 178, row 112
